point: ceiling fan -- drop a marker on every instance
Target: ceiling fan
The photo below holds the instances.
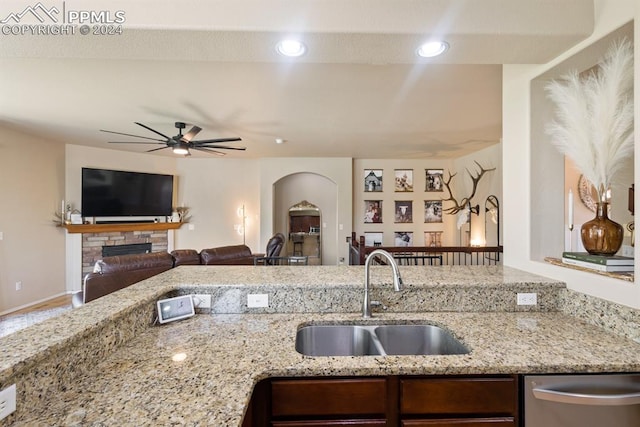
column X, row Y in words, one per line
column 181, row 144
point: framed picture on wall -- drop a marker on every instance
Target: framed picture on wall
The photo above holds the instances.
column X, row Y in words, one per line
column 432, row 211
column 372, row 180
column 403, row 211
column 403, row 238
column 404, row 180
column 372, row 238
column 433, row 238
column 373, row 211
column 434, row 179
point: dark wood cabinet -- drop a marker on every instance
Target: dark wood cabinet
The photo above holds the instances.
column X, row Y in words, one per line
column 468, row 401
column 304, row 223
column 331, row 423
column 329, row 397
column 483, row 400
column 462, row 422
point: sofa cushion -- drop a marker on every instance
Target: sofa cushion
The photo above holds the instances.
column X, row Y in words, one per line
column 156, row 260
column 227, row 255
column 185, row 257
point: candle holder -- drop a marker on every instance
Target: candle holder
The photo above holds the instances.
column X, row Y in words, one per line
column 570, row 237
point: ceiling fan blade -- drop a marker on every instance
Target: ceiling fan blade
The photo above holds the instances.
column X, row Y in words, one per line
column 152, row 130
column 222, row 147
column 207, row 150
column 135, row 142
column 213, row 141
column 156, row 149
column 128, row 134
column 191, row 134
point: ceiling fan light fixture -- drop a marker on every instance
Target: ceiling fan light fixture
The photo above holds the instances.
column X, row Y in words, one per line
column 291, row 48
column 181, row 150
column 432, row 48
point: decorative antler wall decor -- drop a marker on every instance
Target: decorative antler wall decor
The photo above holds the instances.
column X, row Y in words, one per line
column 465, row 203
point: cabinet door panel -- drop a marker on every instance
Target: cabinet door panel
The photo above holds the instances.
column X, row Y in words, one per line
column 331, row 423
column 462, row 422
column 497, row 396
column 328, row 397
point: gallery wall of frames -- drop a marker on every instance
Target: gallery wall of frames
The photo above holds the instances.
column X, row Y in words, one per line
column 403, row 202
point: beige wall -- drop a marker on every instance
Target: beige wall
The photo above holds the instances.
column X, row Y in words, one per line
column 214, row 189
column 534, row 172
column 31, row 190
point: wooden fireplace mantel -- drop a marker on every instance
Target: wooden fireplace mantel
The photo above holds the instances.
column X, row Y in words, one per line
column 124, row 226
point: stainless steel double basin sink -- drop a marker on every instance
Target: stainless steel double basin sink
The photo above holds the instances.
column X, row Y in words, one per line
column 376, row 340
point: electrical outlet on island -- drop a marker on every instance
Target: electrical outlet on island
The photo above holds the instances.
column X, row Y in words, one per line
column 7, row 401
column 527, row 298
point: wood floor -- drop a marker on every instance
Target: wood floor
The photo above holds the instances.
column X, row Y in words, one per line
column 25, row 317
column 61, row 301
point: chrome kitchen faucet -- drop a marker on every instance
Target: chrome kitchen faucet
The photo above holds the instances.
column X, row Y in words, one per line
column 397, row 280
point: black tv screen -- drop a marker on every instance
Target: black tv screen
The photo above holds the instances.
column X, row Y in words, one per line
column 120, row 193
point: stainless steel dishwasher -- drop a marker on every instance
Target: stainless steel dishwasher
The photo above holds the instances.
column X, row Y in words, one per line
column 600, row 400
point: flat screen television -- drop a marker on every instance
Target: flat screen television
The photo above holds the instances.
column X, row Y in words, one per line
column 119, row 193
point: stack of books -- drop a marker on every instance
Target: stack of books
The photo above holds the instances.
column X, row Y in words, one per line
column 613, row 263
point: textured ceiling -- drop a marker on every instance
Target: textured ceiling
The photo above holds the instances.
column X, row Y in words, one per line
column 360, row 91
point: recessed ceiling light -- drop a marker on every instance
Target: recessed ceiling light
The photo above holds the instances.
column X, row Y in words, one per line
column 290, row 47
column 433, row 48
column 279, row 140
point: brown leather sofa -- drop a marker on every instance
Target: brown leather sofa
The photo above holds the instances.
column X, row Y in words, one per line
column 116, row 272
column 225, row 255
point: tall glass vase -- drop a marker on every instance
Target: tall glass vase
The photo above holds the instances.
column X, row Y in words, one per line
column 602, row 236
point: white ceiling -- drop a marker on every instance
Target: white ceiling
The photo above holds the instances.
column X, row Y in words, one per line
column 360, row 91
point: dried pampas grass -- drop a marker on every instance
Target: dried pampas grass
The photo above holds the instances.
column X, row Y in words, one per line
column 594, row 116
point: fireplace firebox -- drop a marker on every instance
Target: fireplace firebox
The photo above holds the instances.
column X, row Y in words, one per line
column 133, row 248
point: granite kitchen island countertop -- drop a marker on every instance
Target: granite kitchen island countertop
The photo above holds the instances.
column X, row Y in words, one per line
column 221, row 357
column 201, row 370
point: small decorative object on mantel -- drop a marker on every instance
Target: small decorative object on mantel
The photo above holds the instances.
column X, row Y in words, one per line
column 183, row 214
column 67, row 215
column 594, row 128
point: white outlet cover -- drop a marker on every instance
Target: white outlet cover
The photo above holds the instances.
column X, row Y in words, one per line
column 7, row 401
column 257, row 300
column 202, row 301
column 527, row 298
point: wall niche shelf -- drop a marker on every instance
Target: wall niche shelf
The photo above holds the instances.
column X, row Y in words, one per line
column 124, row 226
column 629, row 277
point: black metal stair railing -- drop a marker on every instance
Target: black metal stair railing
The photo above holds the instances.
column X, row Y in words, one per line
column 428, row 255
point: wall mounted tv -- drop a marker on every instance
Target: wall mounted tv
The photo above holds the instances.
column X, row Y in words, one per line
column 120, row 193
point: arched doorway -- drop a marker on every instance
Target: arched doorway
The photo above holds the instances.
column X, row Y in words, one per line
column 316, row 190
column 305, row 233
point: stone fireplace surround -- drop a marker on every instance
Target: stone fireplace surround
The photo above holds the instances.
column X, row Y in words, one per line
column 92, row 243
